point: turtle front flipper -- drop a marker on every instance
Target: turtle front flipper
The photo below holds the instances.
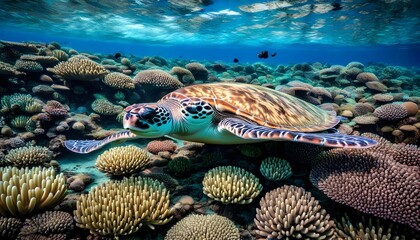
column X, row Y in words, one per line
column 87, row 146
column 251, row 131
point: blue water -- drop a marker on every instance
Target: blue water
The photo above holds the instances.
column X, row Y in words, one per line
column 383, row 31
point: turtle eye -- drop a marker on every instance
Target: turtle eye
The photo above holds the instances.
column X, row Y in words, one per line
column 147, row 113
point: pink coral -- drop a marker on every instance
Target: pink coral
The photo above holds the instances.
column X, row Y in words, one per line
column 372, row 182
column 55, row 109
column 391, row 112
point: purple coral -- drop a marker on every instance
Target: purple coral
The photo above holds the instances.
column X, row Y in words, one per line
column 391, row 112
column 371, row 182
column 55, row 109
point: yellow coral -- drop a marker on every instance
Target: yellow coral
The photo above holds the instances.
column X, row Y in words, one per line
column 122, row 207
column 123, row 160
column 79, row 68
column 26, row 156
column 23, row 191
column 229, row 184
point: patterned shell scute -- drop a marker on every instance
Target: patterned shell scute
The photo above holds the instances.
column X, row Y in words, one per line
column 262, row 105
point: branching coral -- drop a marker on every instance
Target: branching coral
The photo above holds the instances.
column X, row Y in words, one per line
column 228, row 184
column 79, row 68
column 28, row 66
column 199, row 227
column 23, row 191
column 371, row 182
column 48, row 225
column 122, row 207
column 156, row 80
column 290, row 212
column 123, row 160
column 275, row 169
column 27, row 156
column 118, row 81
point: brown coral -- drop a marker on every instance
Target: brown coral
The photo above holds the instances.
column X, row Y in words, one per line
column 10, row 227
column 156, row 79
column 47, row 225
column 55, row 109
column 105, row 107
column 198, row 70
column 45, row 60
column 7, row 69
column 27, row 156
column 366, row 77
column 391, row 112
column 79, row 68
column 360, row 109
column 290, row 212
column 183, row 75
column 28, row 66
column 411, row 107
column 377, row 86
column 371, row 182
column 199, row 227
column 123, row 160
column 157, row 146
column 118, row 81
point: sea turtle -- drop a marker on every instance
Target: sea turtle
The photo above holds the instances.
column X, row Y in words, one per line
column 228, row 113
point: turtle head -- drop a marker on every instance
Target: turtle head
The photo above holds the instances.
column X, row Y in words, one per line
column 148, row 120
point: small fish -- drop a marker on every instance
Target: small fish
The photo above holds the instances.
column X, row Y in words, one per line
column 263, row 54
column 336, row 6
column 117, row 55
column 235, row 60
column 273, row 54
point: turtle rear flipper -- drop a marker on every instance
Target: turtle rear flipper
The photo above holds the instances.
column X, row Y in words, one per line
column 247, row 130
column 87, row 146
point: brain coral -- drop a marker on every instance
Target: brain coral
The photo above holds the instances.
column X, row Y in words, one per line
column 391, row 112
column 290, row 212
column 371, row 182
column 123, row 160
column 47, row 225
column 156, row 79
column 229, row 184
column 118, row 81
column 157, row 146
column 105, row 107
column 199, row 227
column 275, row 169
column 79, row 68
column 121, row 207
column 27, row 156
column 29, row 189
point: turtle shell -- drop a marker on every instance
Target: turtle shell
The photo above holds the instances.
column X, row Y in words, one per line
column 264, row 106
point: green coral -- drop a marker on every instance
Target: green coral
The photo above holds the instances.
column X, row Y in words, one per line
column 275, row 169
column 19, row 121
column 105, row 107
column 180, row 166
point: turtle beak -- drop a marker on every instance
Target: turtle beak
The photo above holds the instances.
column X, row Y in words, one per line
column 136, row 117
column 129, row 120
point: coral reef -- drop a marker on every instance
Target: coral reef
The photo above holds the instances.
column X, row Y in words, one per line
column 290, row 212
column 120, row 208
column 229, row 184
column 275, row 169
column 27, row 190
column 157, row 146
column 198, row 227
column 10, row 227
column 118, row 81
column 157, row 80
column 47, row 225
column 28, row 156
column 105, row 107
column 79, row 69
column 123, row 160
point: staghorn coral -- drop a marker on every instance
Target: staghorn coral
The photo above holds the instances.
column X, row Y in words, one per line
column 27, row 156
column 123, row 160
column 121, row 207
column 156, row 79
column 105, row 107
column 55, row 109
column 229, row 184
column 199, row 227
column 19, row 121
column 275, row 169
column 28, row 66
column 79, row 68
column 391, row 112
column 180, row 166
column 371, row 182
column 289, row 212
column 368, row 229
column 26, row 190
column 118, row 81
column 157, row 146
column 47, row 225
column 10, row 227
